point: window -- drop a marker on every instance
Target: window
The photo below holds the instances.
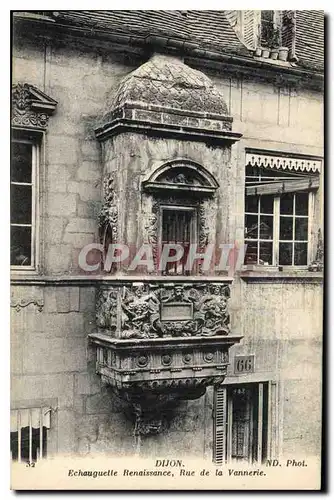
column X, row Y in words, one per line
column 28, row 434
column 270, row 28
column 278, row 213
column 178, row 227
column 179, row 198
column 23, row 195
column 241, row 417
column 30, row 111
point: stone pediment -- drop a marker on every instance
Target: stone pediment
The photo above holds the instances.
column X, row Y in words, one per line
column 181, row 175
column 31, row 107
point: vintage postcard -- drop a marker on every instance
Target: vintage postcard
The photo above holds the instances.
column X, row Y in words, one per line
column 167, row 249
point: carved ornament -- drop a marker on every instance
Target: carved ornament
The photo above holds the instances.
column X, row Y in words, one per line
column 20, row 304
column 147, row 311
column 30, row 107
column 108, row 216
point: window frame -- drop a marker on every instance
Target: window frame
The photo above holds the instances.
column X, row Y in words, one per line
column 193, row 229
column 35, row 194
column 266, row 390
column 276, row 25
column 276, row 237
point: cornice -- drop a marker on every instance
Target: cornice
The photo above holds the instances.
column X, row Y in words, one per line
column 194, row 56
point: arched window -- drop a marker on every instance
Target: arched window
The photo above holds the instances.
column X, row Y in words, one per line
column 180, row 190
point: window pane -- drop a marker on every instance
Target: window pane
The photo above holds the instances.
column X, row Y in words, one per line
column 21, row 162
column 252, row 174
column 266, row 26
column 301, row 204
column 266, row 227
column 251, row 229
column 251, row 252
column 267, row 204
column 251, row 204
column 266, row 252
column 20, row 204
column 285, row 229
column 20, row 246
column 286, row 204
column 300, row 254
column 285, row 254
column 301, row 228
column 241, row 423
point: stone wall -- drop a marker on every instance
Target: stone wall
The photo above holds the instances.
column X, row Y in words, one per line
column 282, row 325
column 53, row 363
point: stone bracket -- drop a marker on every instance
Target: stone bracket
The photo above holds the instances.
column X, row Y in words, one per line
column 152, row 375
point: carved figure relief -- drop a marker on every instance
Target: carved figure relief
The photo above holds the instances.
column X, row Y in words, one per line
column 147, row 310
column 151, row 229
column 108, row 216
column 106, row 309
column 140, row 308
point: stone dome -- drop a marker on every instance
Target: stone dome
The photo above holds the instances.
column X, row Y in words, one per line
column 167, row 82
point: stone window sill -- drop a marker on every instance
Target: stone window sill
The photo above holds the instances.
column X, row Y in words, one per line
column 273, row 273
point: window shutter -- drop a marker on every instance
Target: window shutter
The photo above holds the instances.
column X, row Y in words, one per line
column 287, row 28
column 220, row 407
column 250, row 28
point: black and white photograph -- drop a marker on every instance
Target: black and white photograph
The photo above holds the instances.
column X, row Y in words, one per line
column 166, row 249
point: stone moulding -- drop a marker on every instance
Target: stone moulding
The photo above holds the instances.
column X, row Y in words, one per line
column 34, row 297
column 181, row 175
column 160, row 124
column 160, row 365
column 31, row 108
column 20, row 304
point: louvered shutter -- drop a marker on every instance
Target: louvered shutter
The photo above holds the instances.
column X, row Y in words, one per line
column 250, row 27
column 220, row 411
column 287, row 28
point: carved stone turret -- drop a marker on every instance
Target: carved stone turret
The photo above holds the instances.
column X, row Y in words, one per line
column 166, row 148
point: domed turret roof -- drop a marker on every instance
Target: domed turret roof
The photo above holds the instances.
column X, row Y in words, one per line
column 167, row 82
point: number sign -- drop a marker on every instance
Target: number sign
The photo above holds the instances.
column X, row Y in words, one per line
column 244, row 364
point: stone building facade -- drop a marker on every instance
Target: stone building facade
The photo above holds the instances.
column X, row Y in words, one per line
column 128, row 123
